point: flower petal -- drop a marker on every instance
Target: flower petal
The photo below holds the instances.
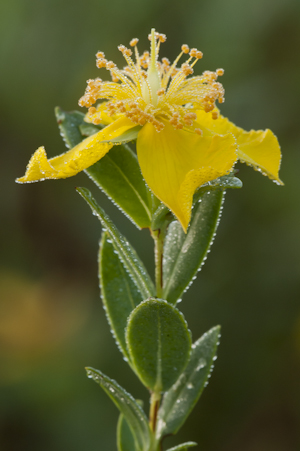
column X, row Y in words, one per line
column 77, row 159
column 175, row 162
column 259, row 149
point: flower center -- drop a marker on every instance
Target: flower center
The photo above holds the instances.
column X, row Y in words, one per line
column 154, row 91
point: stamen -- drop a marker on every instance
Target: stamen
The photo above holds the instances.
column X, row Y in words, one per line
column 162, row 93
column 100, row 55
column 185, row 48
column 134, row 42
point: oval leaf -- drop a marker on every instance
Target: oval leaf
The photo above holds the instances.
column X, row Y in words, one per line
column 125, row 439
column 158, row 342
column 185, row 253
column 127, row 405
column 183, row 446
column 119, row 293
column 118, row 173
column 127, row 254
column 179, row 401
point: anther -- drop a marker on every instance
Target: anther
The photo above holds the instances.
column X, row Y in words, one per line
column 198, row 131
column 185, row 48
column 162, row 37
column 193, row 52
column 100, row 55
column 160, row 92
column 133, row 42
column 220, row 72
column 215, row 114
column 110, row 65
column 199, row 55
column 92, row 110
column 186, row 69
column 166, row 62
column 101, row 62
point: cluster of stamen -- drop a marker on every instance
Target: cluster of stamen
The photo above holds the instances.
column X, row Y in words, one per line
column 131, row 91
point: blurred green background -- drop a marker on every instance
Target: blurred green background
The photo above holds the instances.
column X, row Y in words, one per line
column 51, row 320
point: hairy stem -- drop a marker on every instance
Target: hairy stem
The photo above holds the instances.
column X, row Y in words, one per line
column 159, row 236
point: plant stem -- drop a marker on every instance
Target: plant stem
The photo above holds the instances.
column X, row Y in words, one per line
column 154, row 406
column 159, row 236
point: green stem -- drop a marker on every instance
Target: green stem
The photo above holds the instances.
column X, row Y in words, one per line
column 159, row 236
column 154, row 406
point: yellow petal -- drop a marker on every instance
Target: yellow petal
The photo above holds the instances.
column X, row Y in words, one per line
column 259, row 149
column 175, row 162
column 77, row 159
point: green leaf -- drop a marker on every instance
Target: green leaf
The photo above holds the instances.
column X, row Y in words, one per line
column 224, row 182
column 69, row 125
column 185, row 253
column 118, row 173
column 127, row 405
column 127, row 254
column 159, row 343
column 179, row 401
column 119, row 292
column 183, row 446
column 125, row 439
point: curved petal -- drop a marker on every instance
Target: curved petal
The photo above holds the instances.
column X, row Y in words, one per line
column 77, row 159
column 175, row 162
column 259, row 149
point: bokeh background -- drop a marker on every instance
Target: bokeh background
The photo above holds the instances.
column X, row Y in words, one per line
column 51, row 320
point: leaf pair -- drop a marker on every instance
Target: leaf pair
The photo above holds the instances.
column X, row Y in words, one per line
column 177, row 403
column 152, row 334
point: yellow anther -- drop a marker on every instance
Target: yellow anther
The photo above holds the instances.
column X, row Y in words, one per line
column 221, row 100
column 199, row 55
column 96, row 121
column 185, row 48
column 193, row 52
column 186, row 69
column 160, row 92
column 208, row 107
column 215, row 115
column 162, row 37
column 100, row 55
column 92, row 110
column 198, row 131
column 190, row 116
column 220, row 72
column 133, row 42
column 110, row 65
column 166, row 62
column 101, row 62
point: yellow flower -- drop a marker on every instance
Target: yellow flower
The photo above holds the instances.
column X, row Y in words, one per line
column 182, row 141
